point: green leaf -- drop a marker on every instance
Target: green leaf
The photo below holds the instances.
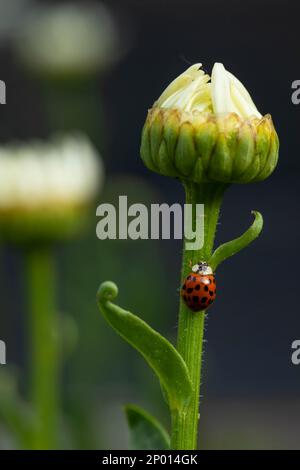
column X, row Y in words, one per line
column 158, row 352
column 146, row 433
column 234, row 246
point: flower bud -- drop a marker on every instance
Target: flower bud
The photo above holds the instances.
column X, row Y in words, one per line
column 205, row 131
column 47, row 189
column 68, row 40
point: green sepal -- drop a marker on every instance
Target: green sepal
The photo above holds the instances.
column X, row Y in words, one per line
column 185, row 154
column 145, row 149
column 205, row 140
column 262, row 146
column 171, row 133
column 165, row 164
column 199, row 173
column 156, row 131
column 251, row 172
column 221, row 162
column 272, row 159
column 244, row 153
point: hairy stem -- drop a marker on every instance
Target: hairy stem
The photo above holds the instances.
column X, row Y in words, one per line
column 191, row 325
column 44, row 360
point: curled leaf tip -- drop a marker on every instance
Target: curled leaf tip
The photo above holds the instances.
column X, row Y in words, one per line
column 108, row 290
column 258, row 222
column 234, row 246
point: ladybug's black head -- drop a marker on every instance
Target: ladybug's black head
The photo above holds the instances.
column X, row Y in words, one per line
column 202, row 268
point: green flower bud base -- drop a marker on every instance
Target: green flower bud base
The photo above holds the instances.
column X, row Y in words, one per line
column 203, row 147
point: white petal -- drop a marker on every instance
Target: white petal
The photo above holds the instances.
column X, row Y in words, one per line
column 180, row 82
column 242, row 98
column 220, row 90
column 229, row 94
column 244, row 93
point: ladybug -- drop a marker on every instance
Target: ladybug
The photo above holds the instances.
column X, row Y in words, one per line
column 199, row 288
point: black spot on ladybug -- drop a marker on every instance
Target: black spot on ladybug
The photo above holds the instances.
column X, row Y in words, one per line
column 194, row 279
column 189, row 278
column 190, row 289
column 211, row 292
column 195, row 298
column 206, row 288
column 203, row 300
column 197, row 287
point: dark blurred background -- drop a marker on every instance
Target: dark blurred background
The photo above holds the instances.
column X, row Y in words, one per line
column 250, row 389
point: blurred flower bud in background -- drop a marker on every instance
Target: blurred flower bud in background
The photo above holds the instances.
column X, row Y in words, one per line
column 66, row 49
column 208, row 129
column 68, row 39
column 47, row 188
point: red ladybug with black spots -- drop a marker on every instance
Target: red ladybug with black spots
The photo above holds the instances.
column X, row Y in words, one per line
column 199, row 288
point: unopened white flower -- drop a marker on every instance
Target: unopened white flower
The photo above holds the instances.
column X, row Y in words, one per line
column 68, row 39
column 52, row 181
column 208, row 129
column 221, row 93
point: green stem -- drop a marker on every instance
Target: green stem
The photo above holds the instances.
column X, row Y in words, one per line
column 44, row 345
column 191, row 325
